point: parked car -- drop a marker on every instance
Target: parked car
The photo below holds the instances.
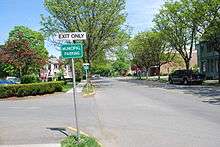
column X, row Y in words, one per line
column 6, row 82
column 186, row 77
column 14, row 79
column 96, row 76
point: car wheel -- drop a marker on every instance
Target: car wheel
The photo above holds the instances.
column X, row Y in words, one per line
column 185, row 82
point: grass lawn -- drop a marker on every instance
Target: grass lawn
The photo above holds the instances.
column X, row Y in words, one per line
column 67, row 87
column 211, row 83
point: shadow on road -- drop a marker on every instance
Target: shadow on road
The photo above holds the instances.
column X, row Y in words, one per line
column 61, row 130
column 210, row 92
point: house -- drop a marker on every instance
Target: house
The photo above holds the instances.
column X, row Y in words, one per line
column 53, row 68
column 207, row 60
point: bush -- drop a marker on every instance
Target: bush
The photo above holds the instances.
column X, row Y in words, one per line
column 85, row 141
column 26, row 79
column 20, row 90
column 88, row 89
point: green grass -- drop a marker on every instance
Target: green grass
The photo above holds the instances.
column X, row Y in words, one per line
column 85, row 141
column 67, row 87
column 211, row 83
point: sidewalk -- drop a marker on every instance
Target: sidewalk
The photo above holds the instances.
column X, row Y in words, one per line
column 79, row 87
column 33, row 145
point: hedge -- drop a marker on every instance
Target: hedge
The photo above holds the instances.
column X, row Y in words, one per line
column 26, row 79
column 20, row 90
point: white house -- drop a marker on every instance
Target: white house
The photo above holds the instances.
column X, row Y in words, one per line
column 52, row 68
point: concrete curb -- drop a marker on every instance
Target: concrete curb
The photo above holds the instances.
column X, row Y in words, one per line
column 90, row 94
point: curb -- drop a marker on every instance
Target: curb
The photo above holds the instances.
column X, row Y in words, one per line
column 90, row 94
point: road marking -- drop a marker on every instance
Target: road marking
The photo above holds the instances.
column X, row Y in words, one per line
column 24, row 108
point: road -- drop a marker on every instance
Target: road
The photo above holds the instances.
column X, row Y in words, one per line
column 123, row 113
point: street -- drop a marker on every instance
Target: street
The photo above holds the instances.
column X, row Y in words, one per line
column 123, row 113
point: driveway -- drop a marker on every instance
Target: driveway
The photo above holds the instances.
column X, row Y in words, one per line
column 123, row 113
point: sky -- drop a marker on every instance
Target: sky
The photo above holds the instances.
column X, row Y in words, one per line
column 27, row 12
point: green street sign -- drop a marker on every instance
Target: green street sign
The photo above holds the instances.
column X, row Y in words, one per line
column 86, row 66
column 74, row 51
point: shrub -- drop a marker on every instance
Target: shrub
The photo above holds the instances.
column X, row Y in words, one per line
column 88, row 89
column 85, row 141
column 26, row 79
column 20, row 90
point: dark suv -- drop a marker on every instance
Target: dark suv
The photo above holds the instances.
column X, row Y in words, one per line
column 186, row 77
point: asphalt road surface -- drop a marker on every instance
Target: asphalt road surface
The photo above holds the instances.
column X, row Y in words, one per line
column 123, row 113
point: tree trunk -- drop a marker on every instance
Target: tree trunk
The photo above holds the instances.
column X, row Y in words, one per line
column 159, row 66
column 219, row 67
column 146, row 73
column 20, row 72
column 187, row 64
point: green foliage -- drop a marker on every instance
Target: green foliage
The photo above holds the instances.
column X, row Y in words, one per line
column 183, row 22
column 35, row 39
column 122, row 62
column 102, row 20
column 88, row 89
column 20, row 90
column 85, row 141
column 143, row 50
column 101, row 66
column 3, row 73
column 103, row 70
column 24, row 52
column 26, row 79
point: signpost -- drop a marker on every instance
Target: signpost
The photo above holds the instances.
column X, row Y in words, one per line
column 86, row 68
column 73, row 51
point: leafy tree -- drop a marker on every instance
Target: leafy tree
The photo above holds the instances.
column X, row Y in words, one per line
column 35, row 39
column 122, row 62
column 102, row 20
column 101, row 65
column 183, row 22
column 151, row 49
column 7, row 70
column 20, row 56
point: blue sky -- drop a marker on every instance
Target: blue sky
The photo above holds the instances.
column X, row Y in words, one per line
column 27, row 13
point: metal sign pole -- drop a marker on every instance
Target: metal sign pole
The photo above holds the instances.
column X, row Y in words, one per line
column 86, row 76
column 74, row 100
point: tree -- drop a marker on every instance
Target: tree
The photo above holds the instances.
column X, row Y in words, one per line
column 164, row 53
column 101, row 65
column 182, row 22
column 151, row 49
column 122, row 62
column 18, row 54
column 35, row 39
column 102, row 20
